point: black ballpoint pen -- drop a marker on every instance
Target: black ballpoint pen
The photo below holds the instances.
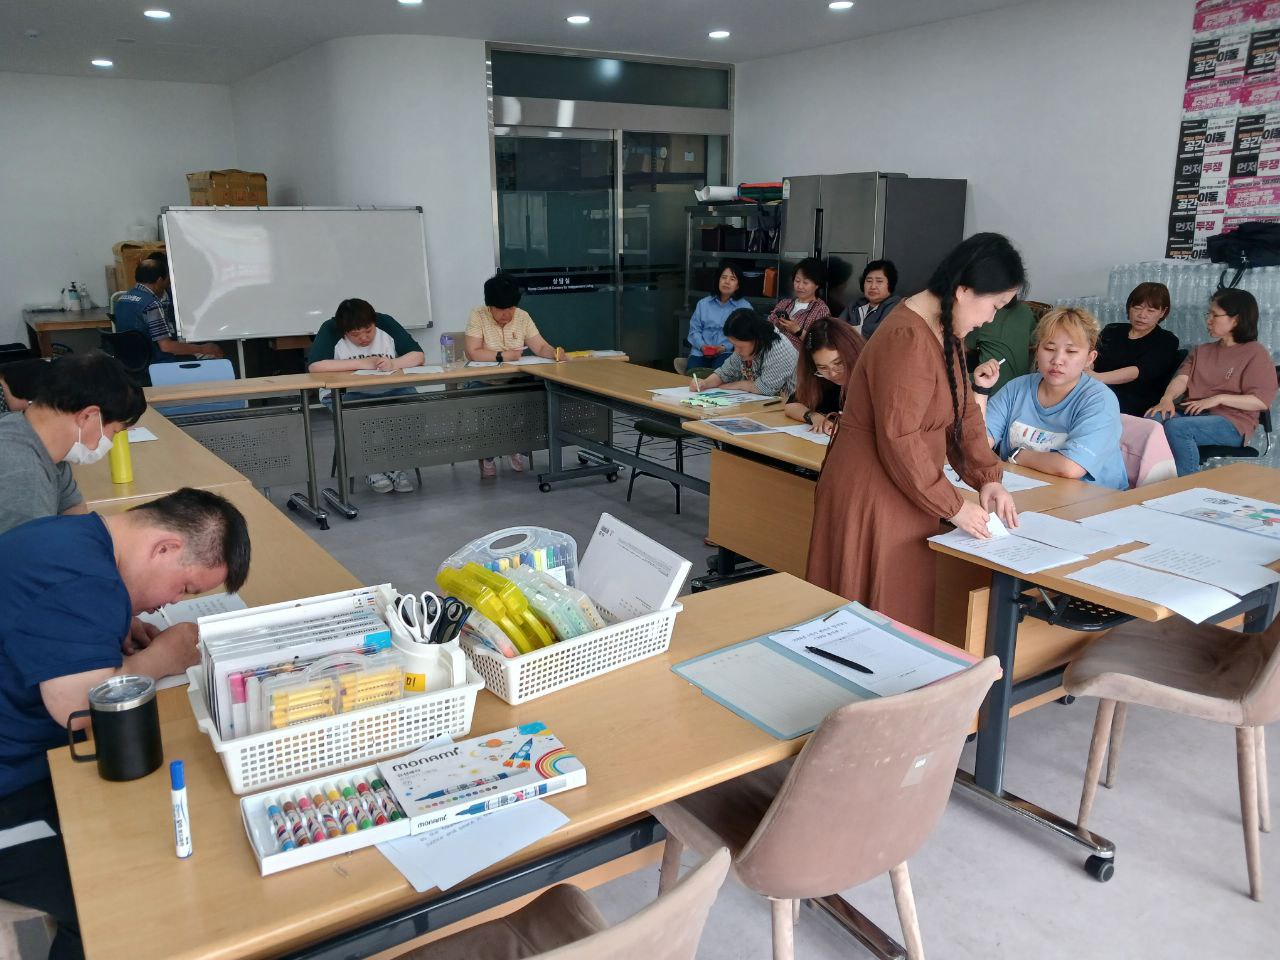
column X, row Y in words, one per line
column 835, row 658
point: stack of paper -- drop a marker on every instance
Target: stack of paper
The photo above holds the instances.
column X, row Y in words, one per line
column 627, row 574
column 141, row 435
column 1154, row 526
column 805, row 432
column 1017, row 553
column 1065, row 534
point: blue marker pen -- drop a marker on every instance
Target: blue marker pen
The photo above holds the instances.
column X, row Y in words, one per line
column 181, row 815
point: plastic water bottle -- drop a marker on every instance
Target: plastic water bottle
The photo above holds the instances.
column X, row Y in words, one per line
column 449, row 351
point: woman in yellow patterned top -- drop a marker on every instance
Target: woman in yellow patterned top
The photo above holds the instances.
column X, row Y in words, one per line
column 500, row 331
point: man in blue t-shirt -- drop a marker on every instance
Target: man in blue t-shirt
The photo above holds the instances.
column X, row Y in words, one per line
column 143, row 310
column 72, row 587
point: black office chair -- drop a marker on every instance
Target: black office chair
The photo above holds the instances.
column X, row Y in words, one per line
column 653, row 430
column 1245, row 452
column 13, row 352
column 133, row 349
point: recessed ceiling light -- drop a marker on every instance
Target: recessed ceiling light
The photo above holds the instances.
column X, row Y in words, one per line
column 841, row 5
column 102, row 63
column 578, row 19
column 718, row 34
column 411, row 3
column 156, row 14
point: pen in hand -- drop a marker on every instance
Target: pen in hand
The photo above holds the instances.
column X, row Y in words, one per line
column 697, row 387
column 836, row 658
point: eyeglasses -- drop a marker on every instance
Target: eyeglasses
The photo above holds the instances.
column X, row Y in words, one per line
column 829, row 370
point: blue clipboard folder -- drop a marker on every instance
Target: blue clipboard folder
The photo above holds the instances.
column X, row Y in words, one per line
column 787, row 693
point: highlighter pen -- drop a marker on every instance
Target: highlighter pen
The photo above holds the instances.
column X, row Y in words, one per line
column 181, row 814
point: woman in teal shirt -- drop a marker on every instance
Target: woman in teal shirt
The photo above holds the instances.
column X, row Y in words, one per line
column 708, row 346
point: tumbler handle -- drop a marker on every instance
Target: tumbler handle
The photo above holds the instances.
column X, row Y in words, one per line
column 71, row 738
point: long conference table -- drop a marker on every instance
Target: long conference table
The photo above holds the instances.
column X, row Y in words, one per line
column 631, row 728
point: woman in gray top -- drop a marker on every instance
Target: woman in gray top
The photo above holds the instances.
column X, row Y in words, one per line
column 763, row 361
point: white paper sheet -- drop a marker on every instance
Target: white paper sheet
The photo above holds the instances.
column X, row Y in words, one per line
column 529, row 361
column 680, row 394
column 1013, row 482
column 444, row 857
column 25, row 833
column 1249, row 514
column 141, row 435
column 189, row 611
column 482, row 363
column 373, row 373
column 896, row 666
column 1154, row 526
column 608, row 353
column 1016, row 553
column 1195, row 601
column 1235, row 576
column 1066, row 534
column 628, row 574
column 425, row 368
column 784, row 696
column 802, row 431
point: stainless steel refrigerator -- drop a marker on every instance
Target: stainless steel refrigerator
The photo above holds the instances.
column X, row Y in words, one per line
column 848, row 219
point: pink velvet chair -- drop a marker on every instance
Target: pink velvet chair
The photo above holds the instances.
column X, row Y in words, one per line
column 863, row 795
column 1200, row 671
column 563, row 924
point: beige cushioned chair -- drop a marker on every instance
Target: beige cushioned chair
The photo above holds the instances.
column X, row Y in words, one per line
column 1195, row 670
column 863, row 795
column 563, row 924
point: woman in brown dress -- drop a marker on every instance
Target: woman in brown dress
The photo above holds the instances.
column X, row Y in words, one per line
column 908, row 410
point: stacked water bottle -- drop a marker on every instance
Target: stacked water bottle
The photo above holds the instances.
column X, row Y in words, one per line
column 1190, row 283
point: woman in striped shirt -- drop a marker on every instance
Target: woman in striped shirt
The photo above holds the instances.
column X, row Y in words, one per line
column 762, row 361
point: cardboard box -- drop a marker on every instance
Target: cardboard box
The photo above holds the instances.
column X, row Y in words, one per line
column 127, row 255
column 227, row 188
column 687, row 154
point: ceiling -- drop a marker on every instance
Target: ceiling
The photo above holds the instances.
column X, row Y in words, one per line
column 222, row 41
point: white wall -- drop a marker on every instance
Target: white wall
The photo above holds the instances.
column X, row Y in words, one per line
column 1062, row 115
column 384, row 120
column 83, row 159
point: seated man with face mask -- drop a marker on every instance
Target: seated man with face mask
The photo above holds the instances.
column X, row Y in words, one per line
column 84, row 400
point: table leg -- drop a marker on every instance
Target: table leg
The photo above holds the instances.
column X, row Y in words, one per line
column 595, row 463
column 987, row 780
column 310, row 504
column 338, row 498
column 44, row 343
column 1260, row 617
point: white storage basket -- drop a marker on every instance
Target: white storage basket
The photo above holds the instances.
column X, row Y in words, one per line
column 563, row 664
column 263, row 760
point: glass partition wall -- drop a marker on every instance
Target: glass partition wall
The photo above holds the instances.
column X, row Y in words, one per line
column 589, row 210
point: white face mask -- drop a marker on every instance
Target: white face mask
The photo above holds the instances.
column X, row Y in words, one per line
column 79, row 453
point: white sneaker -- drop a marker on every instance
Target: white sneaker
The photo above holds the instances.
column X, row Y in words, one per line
column 517, row 462
column 400, row 482
column 380, row 482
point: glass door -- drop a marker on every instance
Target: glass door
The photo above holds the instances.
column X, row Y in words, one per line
column 556, row 212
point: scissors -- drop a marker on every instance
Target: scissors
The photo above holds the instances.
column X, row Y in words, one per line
column 419, row 614
column 452, row 618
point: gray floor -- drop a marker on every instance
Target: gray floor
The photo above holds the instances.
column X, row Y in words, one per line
column 986, row 886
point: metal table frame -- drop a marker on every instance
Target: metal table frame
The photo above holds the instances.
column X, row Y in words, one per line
column 604, row 459
column 1006, row 608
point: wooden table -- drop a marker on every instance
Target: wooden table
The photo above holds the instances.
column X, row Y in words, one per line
column 1006, row 607
column 622, row 388
column 645, row 735
column 160, row 466
column 43, row 324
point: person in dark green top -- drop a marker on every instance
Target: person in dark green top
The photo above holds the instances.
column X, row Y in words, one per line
column 1007, row 338
column 357, row 338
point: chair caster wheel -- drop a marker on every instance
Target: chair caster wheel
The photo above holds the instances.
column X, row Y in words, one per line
column 293, row 508
column 324, row 524
column 582, row 459
column 1067, row 701
column 611, row 477
column 1100, row 868
column 544, row 487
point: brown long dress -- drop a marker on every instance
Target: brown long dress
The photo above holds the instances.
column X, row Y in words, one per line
column 882, row 491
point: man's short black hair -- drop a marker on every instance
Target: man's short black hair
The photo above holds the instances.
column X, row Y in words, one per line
column 22, row 377
column 149, row 271
column 93, row 379
column 354, row 314
column 214, row 529
column 501, row 291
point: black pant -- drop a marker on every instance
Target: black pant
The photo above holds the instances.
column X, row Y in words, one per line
column 35, row 874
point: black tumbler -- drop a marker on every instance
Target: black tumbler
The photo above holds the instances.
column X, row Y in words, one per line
column 126, row 728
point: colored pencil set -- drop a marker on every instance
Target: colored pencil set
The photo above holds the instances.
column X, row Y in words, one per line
column 320, row 812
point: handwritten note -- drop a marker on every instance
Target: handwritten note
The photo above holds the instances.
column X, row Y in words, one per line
column 1237, row 576
column 1195, row 601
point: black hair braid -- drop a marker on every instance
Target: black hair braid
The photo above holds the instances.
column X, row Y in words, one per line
column 951, row 352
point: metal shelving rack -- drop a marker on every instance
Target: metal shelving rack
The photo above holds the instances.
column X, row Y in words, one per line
column 699, row 216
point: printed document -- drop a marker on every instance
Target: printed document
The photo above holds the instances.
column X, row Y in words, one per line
column 1013, row 482
column 1014, row 552
column 1154, row 526
column 1225, row 509
column 802, row 431
column 628, row 574
column 1195, row 601
column 1237, row 576
column 1066, row 534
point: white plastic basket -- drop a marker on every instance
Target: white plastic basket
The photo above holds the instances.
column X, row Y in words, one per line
column 263, row 760
column 532, row 675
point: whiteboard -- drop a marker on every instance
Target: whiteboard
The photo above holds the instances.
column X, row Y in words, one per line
column 241, row 272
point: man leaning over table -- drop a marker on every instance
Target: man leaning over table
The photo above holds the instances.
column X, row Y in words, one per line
column 73, row 586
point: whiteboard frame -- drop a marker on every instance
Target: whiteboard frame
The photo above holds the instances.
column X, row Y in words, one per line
column 173, row 287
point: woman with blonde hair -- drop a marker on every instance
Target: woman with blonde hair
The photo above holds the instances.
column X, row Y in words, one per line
column 1058, row 419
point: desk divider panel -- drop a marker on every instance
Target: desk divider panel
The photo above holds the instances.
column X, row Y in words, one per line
column 265, row 444
column 452, row 426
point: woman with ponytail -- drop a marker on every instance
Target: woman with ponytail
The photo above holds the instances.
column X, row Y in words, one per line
column 909, row 410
